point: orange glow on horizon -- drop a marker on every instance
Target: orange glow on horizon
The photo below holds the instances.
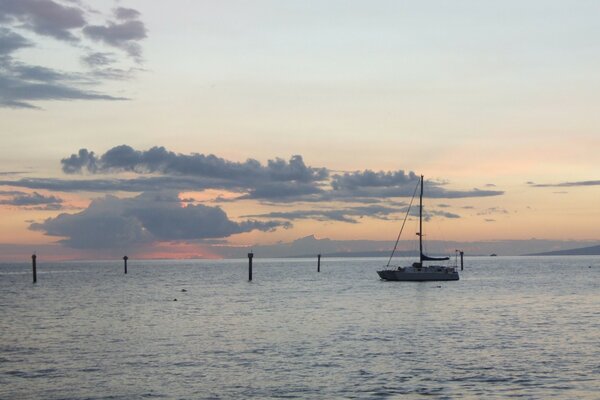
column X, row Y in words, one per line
column 208, row 195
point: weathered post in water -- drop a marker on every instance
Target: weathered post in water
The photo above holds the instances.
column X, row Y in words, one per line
column 462, row 264
column 250, row 255
column 125, row 263
column 34, row 267
column 319, row 263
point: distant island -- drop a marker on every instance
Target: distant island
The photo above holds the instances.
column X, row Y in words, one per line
column 582, row 251
column 368, row 254
column 361, row 254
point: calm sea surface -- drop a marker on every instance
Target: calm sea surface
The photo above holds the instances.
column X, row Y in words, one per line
column 511, row 327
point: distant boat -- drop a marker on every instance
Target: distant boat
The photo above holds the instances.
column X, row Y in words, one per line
column 418, row 271
column 493, row 255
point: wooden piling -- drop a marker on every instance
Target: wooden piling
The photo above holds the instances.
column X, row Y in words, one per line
column 318, row 263
column 250, row 255
column 125, row 263
column 34, row 267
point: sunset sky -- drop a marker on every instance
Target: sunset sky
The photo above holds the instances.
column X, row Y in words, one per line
column 179, row 128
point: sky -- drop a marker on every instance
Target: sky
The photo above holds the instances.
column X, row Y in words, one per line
column 187, row 128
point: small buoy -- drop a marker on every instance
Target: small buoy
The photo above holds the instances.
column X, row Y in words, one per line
column 183, row 290
column 174, row 299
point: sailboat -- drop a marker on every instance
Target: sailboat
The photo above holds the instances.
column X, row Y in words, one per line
column 418, row 271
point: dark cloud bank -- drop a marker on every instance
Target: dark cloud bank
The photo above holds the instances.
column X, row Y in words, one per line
column 160, row 175
column 279, row 180
column 21, row 84
column 111, row 222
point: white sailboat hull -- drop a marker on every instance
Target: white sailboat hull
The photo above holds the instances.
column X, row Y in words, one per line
column 431, row 273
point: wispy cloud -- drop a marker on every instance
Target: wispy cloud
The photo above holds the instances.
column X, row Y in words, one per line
column 348, row 214
column 22, row 85
column 11, row 41
column 133, row 185
column 126, row 14
column 44, row 17
column 12, row 173
column 352, row 214
column 493, row 210
column 29, row 199
column 18, row 90
column 124, row 34
column 565, row 184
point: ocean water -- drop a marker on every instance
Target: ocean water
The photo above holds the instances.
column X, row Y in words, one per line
column 511, row 327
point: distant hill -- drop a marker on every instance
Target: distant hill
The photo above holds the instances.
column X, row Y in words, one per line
column 360, row 254
column 582, row 251
column 370, row 254
column 310, row 246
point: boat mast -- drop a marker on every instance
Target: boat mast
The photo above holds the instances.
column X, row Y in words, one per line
column 421, row 224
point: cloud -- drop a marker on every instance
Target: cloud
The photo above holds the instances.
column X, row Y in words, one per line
column 10, row 192
column 37, row 73
column 22, row 84
column 349, row 214
column 10, row 173
column 368, row 178
column 428, row 214
column 337, row 214
column 565, row 184
column 282, row 191
column 124, row 35
column 159, row 160
column 11, row 41
column 439, row 213
column 30, row 199
column 493, row 210
column 18, row 92
column 44, row 17
column 101, row 65
column 84, row 159
column 194, row 222
column 278, row 181
column 98, row 59
column 123, row 13
column 112, row 222
column 389, row 184
column 134, row 185
column 95, row 229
